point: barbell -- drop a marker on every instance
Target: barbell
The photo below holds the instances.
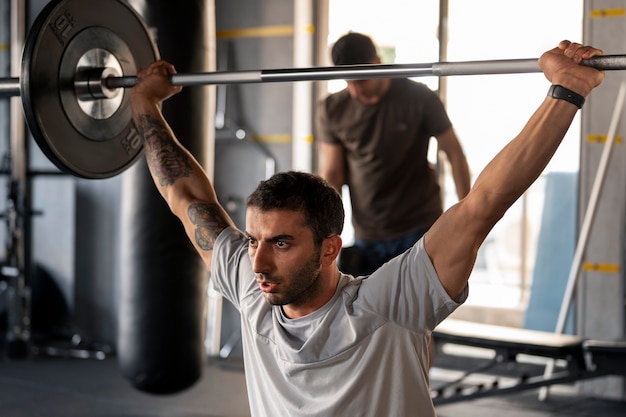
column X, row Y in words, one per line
column 80, row 55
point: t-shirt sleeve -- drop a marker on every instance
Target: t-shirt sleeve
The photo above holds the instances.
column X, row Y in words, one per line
column 436, row 117
column 407, row 290
column 231, row 270
column 323, row 125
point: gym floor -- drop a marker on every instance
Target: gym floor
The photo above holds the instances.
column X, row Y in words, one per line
column 63, row 387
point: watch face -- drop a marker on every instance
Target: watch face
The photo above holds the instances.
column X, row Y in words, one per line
column 561, row 93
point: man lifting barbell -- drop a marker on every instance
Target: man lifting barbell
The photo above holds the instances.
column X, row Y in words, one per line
column 316, row 341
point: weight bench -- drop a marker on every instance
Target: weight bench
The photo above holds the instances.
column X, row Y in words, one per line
column 579, row 359
column 605, row 356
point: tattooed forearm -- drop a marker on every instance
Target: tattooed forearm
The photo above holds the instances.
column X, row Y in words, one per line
column 167, row 161
column 209, row 222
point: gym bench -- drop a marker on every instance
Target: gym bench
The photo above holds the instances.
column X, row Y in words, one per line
column 578, row 359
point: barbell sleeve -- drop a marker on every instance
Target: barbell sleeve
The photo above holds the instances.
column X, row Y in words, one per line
column 9, row 87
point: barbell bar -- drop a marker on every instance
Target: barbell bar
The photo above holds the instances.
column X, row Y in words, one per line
column 11, row 86
column 505, row 66
column 75, row 66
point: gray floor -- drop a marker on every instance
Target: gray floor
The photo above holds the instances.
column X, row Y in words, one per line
column 54, row 387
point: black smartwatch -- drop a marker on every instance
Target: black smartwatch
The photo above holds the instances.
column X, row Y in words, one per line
column 562, row 93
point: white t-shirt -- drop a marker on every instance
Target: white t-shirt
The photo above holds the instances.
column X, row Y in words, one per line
column 364, row 353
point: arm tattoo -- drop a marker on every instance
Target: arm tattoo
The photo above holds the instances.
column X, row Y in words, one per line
column 209, row 223
column 167, row 161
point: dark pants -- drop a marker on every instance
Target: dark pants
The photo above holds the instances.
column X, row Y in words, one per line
column 366, row 256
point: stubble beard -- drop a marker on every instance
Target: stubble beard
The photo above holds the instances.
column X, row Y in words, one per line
column 303, row 284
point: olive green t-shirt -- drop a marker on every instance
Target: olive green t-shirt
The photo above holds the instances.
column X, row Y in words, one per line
column 393, row 187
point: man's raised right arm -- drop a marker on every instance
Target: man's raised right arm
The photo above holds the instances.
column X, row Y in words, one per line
column 177, row 175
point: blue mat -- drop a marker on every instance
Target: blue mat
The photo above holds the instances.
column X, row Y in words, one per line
column 555, row 253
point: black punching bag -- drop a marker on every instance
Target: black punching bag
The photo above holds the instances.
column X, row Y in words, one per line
column 163, row 280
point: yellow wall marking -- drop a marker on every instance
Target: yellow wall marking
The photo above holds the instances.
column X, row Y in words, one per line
column 602, row 138
column 261, row 32
column 607, row 13
column 280, row 138
column 273, row 138
column 596, row 267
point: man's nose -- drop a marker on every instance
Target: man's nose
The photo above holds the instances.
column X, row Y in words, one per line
column 354, row 90
column 261, row 258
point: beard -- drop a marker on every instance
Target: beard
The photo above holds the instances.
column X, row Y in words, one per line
column 300, row 286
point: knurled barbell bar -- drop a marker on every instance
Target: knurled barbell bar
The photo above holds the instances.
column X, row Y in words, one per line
column 100, row 83
column 77, row 110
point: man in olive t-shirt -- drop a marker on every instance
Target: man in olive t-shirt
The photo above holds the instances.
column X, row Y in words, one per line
column 374, row 137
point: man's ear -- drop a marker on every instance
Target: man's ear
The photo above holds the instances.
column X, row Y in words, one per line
column 330, row 249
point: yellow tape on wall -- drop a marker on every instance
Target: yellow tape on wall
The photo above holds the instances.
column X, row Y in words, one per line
column 273, row 138
column 260, row 32
column 597, row 267
column 593, row 138
column 607, row 13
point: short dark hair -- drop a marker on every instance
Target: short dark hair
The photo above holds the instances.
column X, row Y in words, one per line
column 301, row 191
column 354, row 48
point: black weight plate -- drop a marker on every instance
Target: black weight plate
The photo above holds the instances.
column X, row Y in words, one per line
column 64, row 31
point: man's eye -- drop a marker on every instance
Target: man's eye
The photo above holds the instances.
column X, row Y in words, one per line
column 281, row 244
column 251, row 241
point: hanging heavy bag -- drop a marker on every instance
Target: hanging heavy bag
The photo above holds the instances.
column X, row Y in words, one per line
column 163, row 280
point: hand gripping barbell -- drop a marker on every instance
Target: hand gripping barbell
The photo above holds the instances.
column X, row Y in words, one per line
column 76, row 64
